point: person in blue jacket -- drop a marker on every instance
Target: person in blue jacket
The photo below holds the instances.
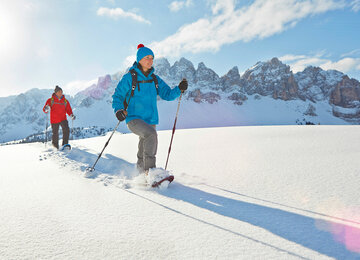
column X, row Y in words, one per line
column 141, row 114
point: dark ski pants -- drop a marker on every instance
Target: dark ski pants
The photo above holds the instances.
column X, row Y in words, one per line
column 148, row 142
column 55, row 133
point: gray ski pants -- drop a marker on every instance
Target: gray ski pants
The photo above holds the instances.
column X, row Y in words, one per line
column 148, row 142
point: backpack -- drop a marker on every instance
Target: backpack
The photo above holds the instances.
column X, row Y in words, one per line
column 52, row 102
column 135, row 83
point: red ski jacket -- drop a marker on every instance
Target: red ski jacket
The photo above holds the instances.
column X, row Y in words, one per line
column 58, row 108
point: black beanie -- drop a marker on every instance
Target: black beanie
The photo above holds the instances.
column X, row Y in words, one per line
column 57, row 88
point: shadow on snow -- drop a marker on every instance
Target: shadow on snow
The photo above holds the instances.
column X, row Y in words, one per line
column 107, row 164
column 309, row 232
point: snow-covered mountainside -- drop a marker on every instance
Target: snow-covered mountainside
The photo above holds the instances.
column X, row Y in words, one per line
column 258, row 192
column 23, row 115
column 5, row 101
column 266, row 94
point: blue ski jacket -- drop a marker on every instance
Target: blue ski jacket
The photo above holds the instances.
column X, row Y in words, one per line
column 143, row 105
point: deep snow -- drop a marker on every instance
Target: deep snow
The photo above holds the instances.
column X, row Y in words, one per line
column 269, row 192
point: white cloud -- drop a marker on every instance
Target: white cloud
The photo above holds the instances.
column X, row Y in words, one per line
column 355, row 52
column 343, row 65
column 290, row 57
column 74, row 87
column 115, row 13
column 355, row 5
column 178, row 5
column 300, row 62
column 227, row 24
column 129, row 61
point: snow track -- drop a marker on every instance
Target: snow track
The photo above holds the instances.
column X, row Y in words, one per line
column 239, row 192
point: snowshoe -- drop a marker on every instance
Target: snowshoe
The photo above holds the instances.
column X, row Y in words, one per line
column 168, row 179
column 159, row 178
column 65, row 147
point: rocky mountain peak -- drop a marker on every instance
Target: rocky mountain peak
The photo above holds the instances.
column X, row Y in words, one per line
column 346, row 93
column 316, row 84
column 272, row 68
column 185, row 62
column 182, row 69
column 163, row 62
column 97, row 91
column 312, row 70
column 271, row 78
column 275, row 62
column 204, row 75
column 276, row 65
column 201, row 66
column 162, row 67
column 231, row 80
column 234, row 72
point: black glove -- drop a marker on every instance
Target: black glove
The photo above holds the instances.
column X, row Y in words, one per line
column 121, row 114
column 73, row 117
column 183, row 85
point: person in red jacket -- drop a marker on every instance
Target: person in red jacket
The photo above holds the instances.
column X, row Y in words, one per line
column 59, row 106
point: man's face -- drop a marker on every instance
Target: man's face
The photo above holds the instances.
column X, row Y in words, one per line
column 147, row 62
column 59, row 94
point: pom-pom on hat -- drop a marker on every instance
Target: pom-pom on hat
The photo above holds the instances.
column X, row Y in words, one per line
column 142, row 52
column 57, row 89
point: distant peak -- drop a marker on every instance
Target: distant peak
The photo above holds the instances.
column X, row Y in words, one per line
column 201, row 65
column 275, row 61
column 185, row 61
column 233, row 72
column 235, row 69
column 160, row 61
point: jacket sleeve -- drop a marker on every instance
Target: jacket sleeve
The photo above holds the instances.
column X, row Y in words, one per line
column 68, row 108
column 47, row 104
column 122, row 91
column 165, row 92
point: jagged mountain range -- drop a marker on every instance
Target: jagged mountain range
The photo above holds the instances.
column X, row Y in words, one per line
column 267, row 93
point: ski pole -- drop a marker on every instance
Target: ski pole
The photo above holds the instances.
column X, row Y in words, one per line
column 173, row 131
column 46, row 127
column 90, row 169
column 72, row 129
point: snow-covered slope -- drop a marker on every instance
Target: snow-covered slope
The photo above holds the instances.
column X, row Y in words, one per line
column 23, row 115
column 5, row 101
column 270, row 192
column 266, row 94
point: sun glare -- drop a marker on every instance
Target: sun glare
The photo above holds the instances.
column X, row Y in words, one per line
column 8, row 33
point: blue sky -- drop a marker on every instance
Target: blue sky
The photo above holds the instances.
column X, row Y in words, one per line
column 72, row 42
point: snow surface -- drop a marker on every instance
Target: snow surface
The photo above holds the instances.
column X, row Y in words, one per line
column 260, row 192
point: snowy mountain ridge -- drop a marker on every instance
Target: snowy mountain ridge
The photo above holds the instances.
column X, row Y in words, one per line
column 268, row 93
